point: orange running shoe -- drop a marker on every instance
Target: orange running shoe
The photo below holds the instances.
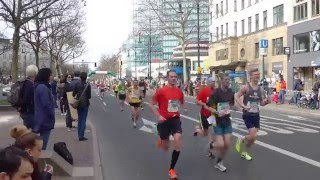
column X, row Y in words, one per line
column 172, row 174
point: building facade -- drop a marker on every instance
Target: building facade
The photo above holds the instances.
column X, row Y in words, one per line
column 304, row 42
column 237, row 26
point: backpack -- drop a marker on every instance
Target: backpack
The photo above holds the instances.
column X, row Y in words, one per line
column 61, row 149
column 15, row 95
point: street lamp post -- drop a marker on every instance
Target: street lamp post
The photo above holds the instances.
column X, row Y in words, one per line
column 198, row 18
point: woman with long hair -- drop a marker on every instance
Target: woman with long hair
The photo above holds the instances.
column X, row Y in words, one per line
column 44, row 106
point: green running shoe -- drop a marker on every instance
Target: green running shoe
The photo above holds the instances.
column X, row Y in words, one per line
column 246, row 156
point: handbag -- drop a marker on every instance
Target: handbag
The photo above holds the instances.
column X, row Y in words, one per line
column 75, row 104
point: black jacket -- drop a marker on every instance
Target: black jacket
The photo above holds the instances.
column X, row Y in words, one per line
column 27, row 95
column 84, row 100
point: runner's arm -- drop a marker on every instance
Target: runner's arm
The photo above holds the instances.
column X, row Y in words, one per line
column 238, row 98
column 210, row 103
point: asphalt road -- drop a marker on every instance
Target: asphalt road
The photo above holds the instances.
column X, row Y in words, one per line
column 288, row 146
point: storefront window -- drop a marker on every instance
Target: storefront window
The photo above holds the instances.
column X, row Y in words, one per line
column 195, row 65
column 301, row 43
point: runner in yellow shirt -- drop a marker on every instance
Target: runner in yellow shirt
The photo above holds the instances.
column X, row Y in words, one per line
column 135, row 102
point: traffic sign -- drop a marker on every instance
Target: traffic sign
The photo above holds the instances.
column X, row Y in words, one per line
column 263, row 43
column 263, row 51
column 286, row 50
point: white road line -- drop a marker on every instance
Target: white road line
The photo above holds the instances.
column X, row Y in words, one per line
column 274, row 148
column 104, row 103
column 112, row 95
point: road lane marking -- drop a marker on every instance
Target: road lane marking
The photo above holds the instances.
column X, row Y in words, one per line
column 104, row 103
column 274, row 148
column 190, row 102
column 112, row 95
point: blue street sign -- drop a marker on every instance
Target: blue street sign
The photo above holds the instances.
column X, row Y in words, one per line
column 263, row 43
column 237, row 75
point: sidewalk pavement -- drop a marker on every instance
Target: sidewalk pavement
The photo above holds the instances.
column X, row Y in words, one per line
column 85, row 154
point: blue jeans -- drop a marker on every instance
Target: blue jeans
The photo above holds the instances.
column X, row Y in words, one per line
column 82, row 119
column 45, row 137
column 282, row 96
column 28, row 120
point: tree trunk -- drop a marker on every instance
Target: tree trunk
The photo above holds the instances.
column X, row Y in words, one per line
column 15, row 54
column 36, row 53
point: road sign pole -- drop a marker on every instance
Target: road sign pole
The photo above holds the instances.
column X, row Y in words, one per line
column 263, row 68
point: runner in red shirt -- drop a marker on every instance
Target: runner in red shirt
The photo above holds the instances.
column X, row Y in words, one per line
column 168, row 99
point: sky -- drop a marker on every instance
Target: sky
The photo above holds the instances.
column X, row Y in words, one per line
column 108, row 26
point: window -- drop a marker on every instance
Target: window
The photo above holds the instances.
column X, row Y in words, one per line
column 278, row 14
column 242, row 4
column 217, row 10
column 265, row 19
column 242, row 27
column 249, row 3
column 235, row 5
column 257, row 22
column 235, row 28
column 227, row 30
column 315, row 7
column 211, row 37
column 249, row 24
column 300, row 12
column 210, row 18
column 277, row 46
column 217, row 32
column 221, row 8
column 306, row 42
column 227, row 6
column 221, row 31
column 257, row 1
column 256, row 50
column 222, row 54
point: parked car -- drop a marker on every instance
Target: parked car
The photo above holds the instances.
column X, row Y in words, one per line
column 6, row 90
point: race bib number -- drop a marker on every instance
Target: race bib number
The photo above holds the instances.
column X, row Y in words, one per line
column 122, row 92
column 223, row 107
column 212, row 120
column 141, row 88
column 173, row 106
column 254, row 107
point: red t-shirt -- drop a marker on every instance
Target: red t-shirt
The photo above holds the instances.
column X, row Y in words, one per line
column 168, row 100
column 203, row 96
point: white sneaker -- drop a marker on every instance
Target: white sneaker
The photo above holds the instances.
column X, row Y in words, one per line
column 220, row 167
column 134, row 124
column 69, row 129
column 62, row 114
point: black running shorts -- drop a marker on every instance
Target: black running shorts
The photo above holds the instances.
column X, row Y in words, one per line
column 122, row 96
column 169, row 127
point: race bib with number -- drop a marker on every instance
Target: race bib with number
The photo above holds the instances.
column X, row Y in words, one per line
column 212, row 120
column 223, row 107
column 254, row 107
column 141, row 88
column 173, row 106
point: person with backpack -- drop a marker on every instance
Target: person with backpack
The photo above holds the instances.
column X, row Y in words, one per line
column 44, row 115
column 25, row 94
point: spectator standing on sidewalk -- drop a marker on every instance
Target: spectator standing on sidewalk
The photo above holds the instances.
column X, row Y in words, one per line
column 297, row 88
column 53, row 84
column 60, row 89
column 44, row 106
column 69, row 87
column 27, row 94
column 283, row 87
column 15, row 164
column 83, row 108
column 32, row 144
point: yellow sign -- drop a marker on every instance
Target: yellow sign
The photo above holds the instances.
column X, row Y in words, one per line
column 206, row 64
column 199, row 69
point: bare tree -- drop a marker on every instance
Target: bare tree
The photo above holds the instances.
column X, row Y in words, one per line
column 109, row 63
column 177, row 24
column 17, row 13
column 64, row 34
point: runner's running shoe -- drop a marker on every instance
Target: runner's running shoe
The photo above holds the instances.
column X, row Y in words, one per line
column 172, row 174
column 220, row 167
column 246, row 156
column 239, row 145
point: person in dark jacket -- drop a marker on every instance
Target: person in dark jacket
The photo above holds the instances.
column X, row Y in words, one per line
column 69, row 87
column 27, row 97
column 44, row 106
column 53, row 84
column 31, row 143
column 83, row 108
